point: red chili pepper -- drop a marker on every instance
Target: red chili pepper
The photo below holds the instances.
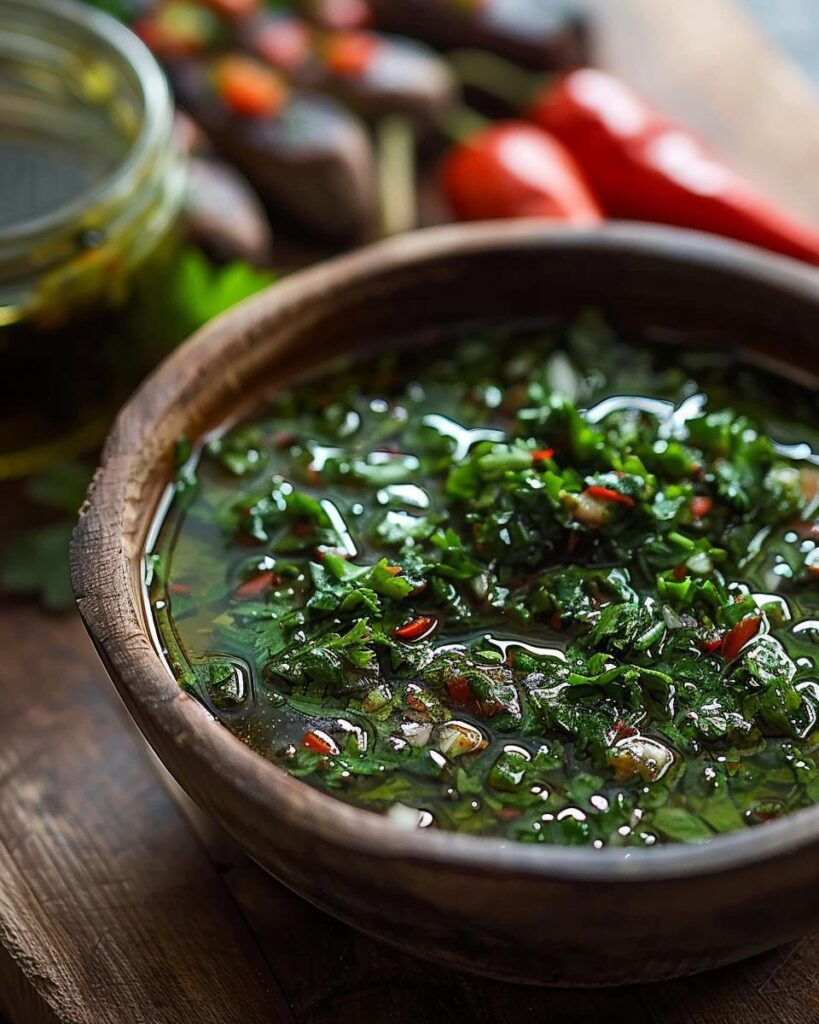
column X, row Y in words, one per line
column 701, row 506
column 543, row 454
column 415, row 629
column 621, row 730
column 250, row 88
column 607, row 494
column 458, row 690
column 736, row 638
column 319, row 743
column 351, row 54
column 255, row 586
column 643, row 166
column 512, row 169
column 680, row 572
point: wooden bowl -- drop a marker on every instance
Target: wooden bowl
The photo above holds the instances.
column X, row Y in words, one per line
column 551, row 915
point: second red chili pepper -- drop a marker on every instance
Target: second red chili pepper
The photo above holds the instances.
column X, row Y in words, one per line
column 643, row 166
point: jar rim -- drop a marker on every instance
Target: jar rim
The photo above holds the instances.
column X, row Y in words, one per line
column 154, row 131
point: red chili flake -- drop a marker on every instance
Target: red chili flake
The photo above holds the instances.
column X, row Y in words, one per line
column 285, row 43
column 622, row 730
column 736, row 638
column 710, row 646
column 679, row 572
column 607, row 494
column 487, row 709
column 350, row 54
column 458, row 690
column 416, row 703
column 255, row 586
column 180, row 589
column 508, row 813
column 543, row 455
column 415, row 629
column 701, row 506
column 319, row 743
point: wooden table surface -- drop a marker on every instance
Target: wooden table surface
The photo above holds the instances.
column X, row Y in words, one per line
column 119, row 903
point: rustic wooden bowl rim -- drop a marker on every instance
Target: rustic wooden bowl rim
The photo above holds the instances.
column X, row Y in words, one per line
column 109, row 605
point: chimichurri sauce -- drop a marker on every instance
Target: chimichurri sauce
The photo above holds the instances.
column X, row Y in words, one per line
column 537, row 582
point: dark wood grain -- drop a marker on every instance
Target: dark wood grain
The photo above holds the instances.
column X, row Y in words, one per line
column 109, row 910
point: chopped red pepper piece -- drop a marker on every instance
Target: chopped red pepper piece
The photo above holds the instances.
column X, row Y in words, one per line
column 680, row 572
column 621, row 730
column 350, row 54
column 710, row 646
column 249, row 88
column 607, row 494
column 458, row 690
column 319, row 743
column 415, row 629
column 736, row 638
column 255, row 586
column 543, row 454
column 701, row 506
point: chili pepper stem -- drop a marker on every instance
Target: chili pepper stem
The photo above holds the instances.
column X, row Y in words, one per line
column 459, row 122
column 396, row 163
column 497, row 77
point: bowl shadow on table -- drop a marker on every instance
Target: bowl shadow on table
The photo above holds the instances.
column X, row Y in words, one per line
column 328, row 971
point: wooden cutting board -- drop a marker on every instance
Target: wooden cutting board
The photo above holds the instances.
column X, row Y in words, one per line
column 119, row 904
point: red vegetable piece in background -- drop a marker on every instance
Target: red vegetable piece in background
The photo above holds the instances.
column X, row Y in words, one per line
column 249, row 88
column 543, row 455
column 608, row 494
column 283, row 42
column 415, row 629
column 701, row 506
column 341, row 15
column 512, row 169
column 350, row 54
column 643, row 166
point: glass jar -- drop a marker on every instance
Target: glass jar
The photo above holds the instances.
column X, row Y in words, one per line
column 91, row 184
